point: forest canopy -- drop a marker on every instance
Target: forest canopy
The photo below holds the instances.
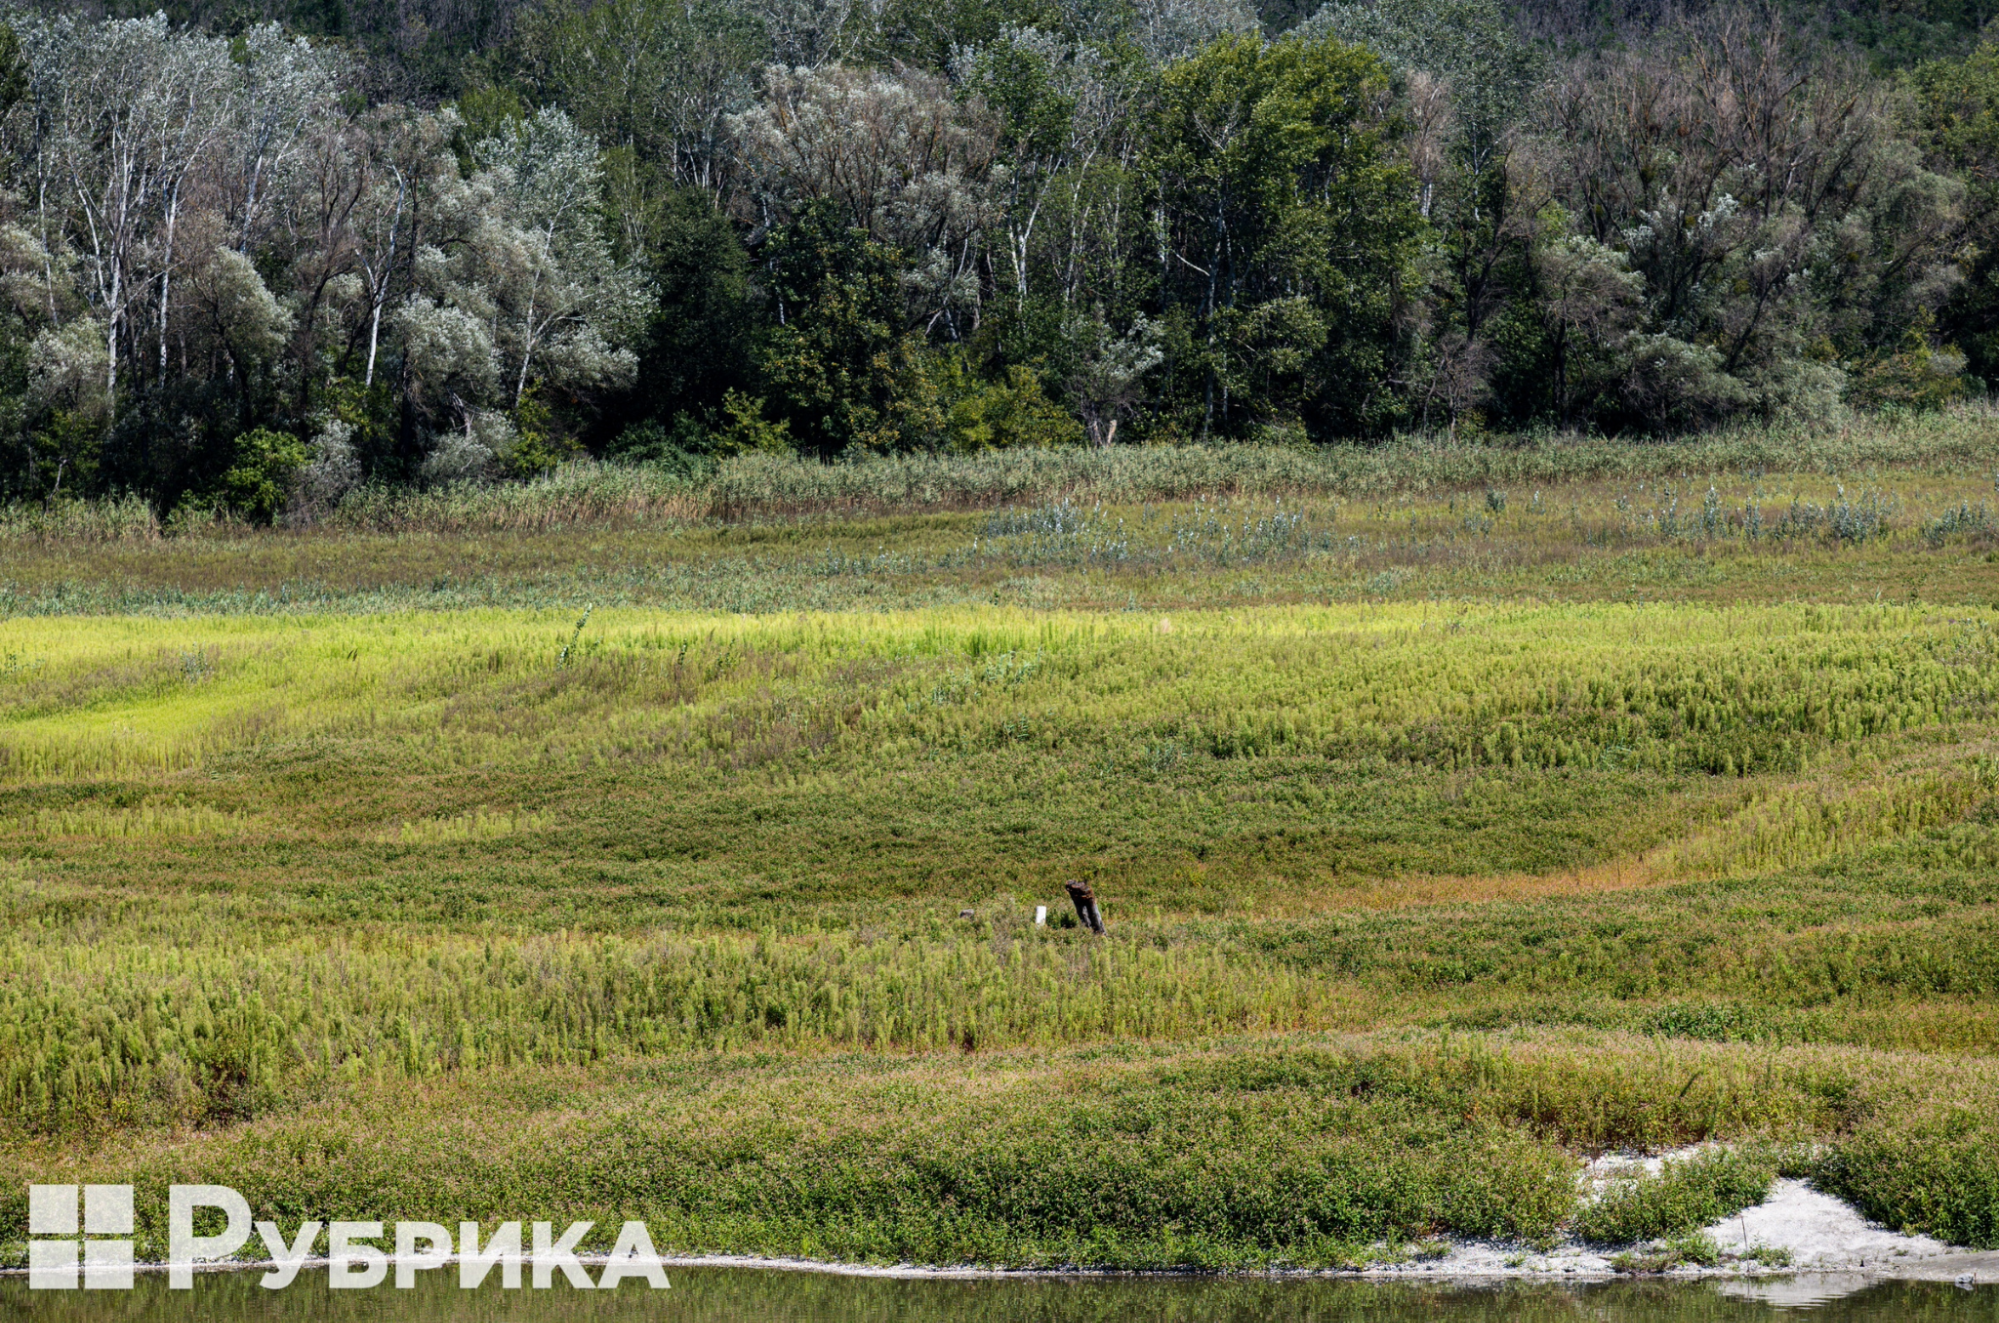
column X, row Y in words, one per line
column 254, row 256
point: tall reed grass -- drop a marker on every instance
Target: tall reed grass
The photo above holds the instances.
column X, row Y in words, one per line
column 587, row 493
column 1003, row 725
column 1727, row 691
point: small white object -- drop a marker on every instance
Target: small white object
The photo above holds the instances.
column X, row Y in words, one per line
column 1040, row 916
column 52, row 1264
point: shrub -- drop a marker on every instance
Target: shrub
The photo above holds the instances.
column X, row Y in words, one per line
column 1005, row 414
column 258, row 481
column 1938, row 1175
column 538, row 445
column 682, row 449
column 746, row 431
column 1684, row 1197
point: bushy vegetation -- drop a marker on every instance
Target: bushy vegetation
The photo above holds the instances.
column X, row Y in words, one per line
column 1931, row 1170
column 351, row 262
column 1458, row 813
column 1682, row 1197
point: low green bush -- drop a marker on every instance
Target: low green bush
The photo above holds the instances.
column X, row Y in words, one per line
column 1682, row 1198
column 1069, row 1158
column 1934, row 1174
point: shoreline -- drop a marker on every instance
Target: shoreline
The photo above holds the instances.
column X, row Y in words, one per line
column 1962, row 1267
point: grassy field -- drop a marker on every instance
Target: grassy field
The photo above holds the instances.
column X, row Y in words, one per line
column 1457, row 815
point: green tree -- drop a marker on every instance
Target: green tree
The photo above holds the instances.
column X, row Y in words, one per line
column 258, row 482
column 696, row 344
column 1012, row 412
column 1285, row 226
column 1462, row 76
column 653, row 77
column 839, row 365
column 1762, row 191
column 13, row 72
column 1957, row 106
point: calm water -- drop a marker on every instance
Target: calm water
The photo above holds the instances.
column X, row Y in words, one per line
column 714, row 1295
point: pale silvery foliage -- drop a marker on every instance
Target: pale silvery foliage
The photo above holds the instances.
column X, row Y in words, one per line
column 804, row 33
column 403, row 170
column 66, row 377
column 1107, row 369
column 1591, row 298
column 543, row 270
column 66, row 367
column 123, row 113
column 238, row 310
column 332, row 469
column 287, row 87
column 904, row 160
column 195, row 206
column 448, row 351
column 1682, row 382
column 38, row 283
column 1743, row 176
column 458, row 457
column 1169, row 30
column 899, row 156
column 470, row 455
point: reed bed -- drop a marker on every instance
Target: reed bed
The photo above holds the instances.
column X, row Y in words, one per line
column 587, row 493
column 1662, row 688
column 1745, row 539
column 1301, row 1151
column 719, row 793
column 1451, row 825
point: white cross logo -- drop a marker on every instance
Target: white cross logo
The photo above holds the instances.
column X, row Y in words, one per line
column 102, row 1265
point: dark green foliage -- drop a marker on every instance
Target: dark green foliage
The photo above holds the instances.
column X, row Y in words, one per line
column 175, row 440
column 1021, row 227
column 1683, row 1197
column 1287, row 224
column 258, row 480
column 13, row 74
column 1957, row 103
column 540, row 443
column 651, row 79
column 488, row 110
column 697, row 342
column 838, row 364
column 683, row 449
column 930, row 32
column 1935, row 1172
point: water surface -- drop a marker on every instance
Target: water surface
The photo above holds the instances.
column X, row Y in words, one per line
column 713, row 1295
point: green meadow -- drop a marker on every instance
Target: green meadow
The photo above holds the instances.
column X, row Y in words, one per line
column 634, row 847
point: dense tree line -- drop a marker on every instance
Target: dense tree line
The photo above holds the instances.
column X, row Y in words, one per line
column 254, row 256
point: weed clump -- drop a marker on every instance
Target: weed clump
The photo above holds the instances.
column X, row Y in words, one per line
column 1681, row 1199
column 1934, row 1173
column 1695, row 1248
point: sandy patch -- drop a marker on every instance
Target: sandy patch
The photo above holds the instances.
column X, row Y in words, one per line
column 1834, row 1250
column 1821, row 1232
